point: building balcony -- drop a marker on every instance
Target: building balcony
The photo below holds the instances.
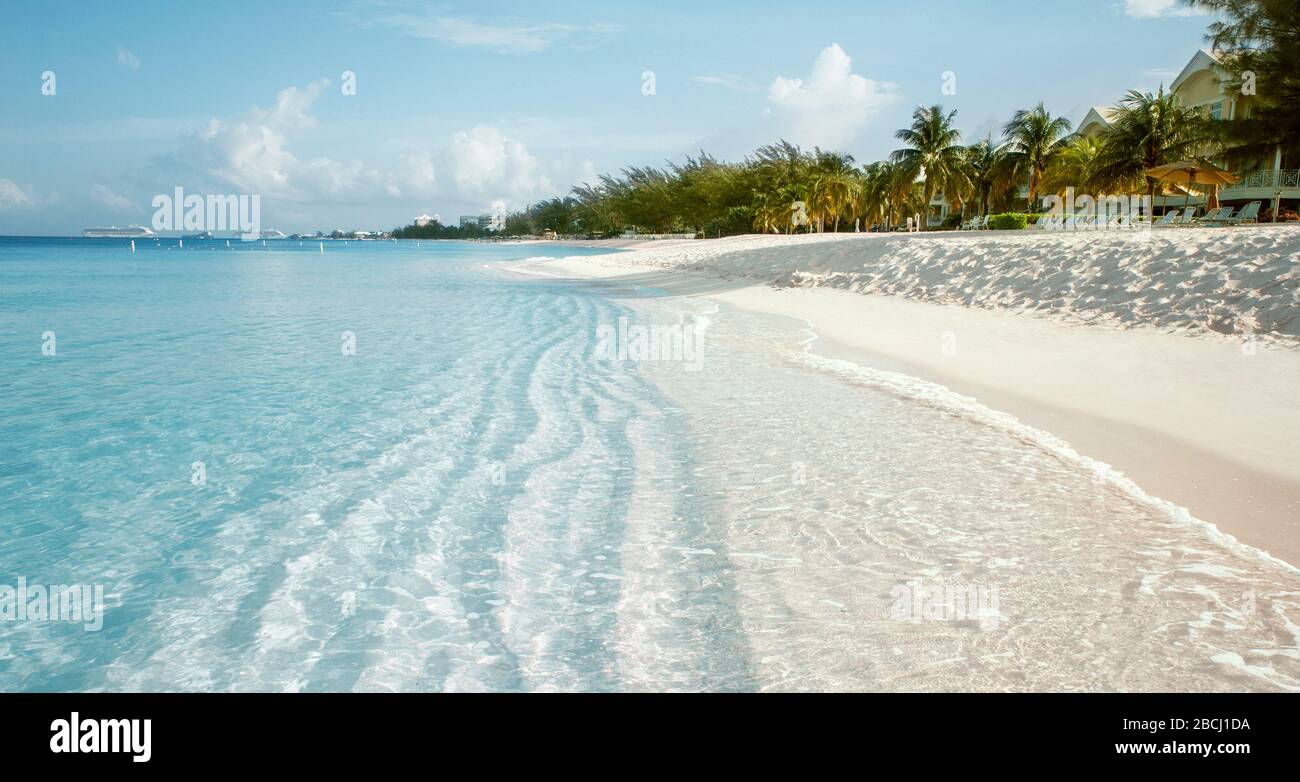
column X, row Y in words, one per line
column 1262, row 186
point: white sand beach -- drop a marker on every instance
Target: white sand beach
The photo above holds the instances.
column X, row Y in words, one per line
column 1171, row 356
column 1095, row 431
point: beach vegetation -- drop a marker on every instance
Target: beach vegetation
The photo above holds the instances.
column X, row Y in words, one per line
column 1008, row 221
column 933, row 153
column 1148, row 130
column 1034, row 138
column 1258, row 43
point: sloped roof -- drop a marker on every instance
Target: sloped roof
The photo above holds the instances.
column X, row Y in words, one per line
column 1099, row 114
column 1203, row 60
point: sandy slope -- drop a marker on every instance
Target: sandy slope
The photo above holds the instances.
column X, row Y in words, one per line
column 1151, row 385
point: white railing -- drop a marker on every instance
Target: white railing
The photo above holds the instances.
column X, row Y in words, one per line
column 1275, row 179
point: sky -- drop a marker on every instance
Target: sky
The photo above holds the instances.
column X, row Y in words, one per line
column 458, row 107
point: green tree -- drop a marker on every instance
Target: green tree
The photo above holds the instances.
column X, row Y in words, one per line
column 1033, row 138
column 1077, row 166
column 782, row 175
column 1148, row 130
column 555, row 214
column 986, row 170
column 836, row 186
column 933, row 152
column 1261, row 37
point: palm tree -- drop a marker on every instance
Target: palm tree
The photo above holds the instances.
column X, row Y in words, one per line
column 1148, row 131
column 1075, row 166
column 986, row 169
column 771, row 214
column 933, row 151
column 835, row 185
column 1033, row 138
column 875, row 193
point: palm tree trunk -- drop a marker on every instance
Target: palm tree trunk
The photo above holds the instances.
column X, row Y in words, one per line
column 925, row 207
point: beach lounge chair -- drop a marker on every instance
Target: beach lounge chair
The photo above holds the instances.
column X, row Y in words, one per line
column 1250, row 214
column 1167, row 219
column 1131, row 221
column 1220, row 216
column 1189, row 216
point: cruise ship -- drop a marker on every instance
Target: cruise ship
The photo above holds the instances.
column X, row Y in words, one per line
column 130, row 232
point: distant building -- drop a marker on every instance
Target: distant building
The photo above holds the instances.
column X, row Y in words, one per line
column 486, row 221
column 424, row 220
column 1206, row 86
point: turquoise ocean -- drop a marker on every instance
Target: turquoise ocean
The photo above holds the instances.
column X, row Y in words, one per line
column 402, row 466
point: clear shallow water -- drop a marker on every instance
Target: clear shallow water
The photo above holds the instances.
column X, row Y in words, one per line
column 839, row 485
column 411, row 516
column 473, row 501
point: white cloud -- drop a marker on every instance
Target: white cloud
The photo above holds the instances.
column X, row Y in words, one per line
column 126, row 58
column 833, row 104
column 503, row 38
column 416, row 172
column 256, row 155
column 484, row 161
column 1146, row 9
column 252, row 155
column 11, row 195
column 104, row 195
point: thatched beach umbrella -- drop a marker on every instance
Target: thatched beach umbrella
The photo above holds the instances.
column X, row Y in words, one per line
column 1193, row 172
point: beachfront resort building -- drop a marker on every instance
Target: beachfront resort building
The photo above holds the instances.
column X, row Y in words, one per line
column 488, row 222
column 1206, row 85
column 424, row 220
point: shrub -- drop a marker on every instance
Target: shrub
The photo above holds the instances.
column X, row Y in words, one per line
column 1285, row 215
column 1008, row 221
